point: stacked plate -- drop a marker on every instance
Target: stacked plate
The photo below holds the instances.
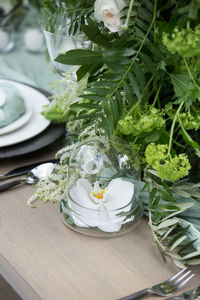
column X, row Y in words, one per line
column 31, row 131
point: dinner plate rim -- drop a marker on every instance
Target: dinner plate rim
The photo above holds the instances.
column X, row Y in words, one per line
column 53, row 133
column 21, row 121
column 36, row 124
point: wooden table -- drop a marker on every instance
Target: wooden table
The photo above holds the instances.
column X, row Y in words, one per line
column 40, row 258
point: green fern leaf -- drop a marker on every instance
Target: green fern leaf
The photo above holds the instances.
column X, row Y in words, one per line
column 129, row 93
column 135, row 85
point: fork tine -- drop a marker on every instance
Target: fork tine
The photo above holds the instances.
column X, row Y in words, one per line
column 176, row 275
column 166, row 288
column 182, row 277
column 184, row 282
column 177, row 281
column 174, row 286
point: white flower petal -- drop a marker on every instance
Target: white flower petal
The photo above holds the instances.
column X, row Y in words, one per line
column 77, row 220
column 83, row 217
column 80, row 193
column 119, row 194
column 110, row 227
column 120, row 4
column 107, row 223
column 86, row 212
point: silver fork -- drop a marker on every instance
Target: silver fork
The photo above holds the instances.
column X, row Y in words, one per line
column 165, row 288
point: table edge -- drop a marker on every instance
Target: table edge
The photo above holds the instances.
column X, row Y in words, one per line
column 14, row 282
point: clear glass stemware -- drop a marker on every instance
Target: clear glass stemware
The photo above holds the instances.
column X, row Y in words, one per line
column 60, row 43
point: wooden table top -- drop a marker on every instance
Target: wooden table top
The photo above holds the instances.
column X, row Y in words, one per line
column 43, row 259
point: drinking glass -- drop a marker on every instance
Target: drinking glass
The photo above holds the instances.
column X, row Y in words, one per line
column 60, row 43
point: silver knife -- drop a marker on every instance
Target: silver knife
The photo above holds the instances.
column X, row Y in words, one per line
column 25, row 169
column 189, row 295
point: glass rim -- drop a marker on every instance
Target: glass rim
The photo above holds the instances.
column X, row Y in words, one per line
column 64, row 35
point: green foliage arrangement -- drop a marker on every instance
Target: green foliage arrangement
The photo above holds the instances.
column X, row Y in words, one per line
column 143, row 85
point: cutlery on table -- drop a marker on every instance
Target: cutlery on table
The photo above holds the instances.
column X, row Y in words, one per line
column 40, row 172
column 165, row 288
column 25, row 169
column 189, row 295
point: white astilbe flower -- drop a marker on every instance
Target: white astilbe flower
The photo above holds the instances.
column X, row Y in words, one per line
column 66, row 149
column 31, row 200
column 90, row 130
column 49, row 191
column 53, row 188
column 70, row 93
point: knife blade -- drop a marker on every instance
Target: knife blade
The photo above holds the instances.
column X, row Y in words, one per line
column 25, row 169
column 189, row 295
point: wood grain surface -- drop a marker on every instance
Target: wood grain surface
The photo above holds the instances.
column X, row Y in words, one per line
column 61, row 264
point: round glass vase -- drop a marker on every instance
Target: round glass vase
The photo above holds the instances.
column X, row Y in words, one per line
column 102, row 196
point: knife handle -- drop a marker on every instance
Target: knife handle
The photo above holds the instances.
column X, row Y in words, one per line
column 10, row 184
column 2, row 177
column 136, row 295
column 25, row 169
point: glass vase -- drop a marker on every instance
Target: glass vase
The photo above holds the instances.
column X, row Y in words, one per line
column 102, row 198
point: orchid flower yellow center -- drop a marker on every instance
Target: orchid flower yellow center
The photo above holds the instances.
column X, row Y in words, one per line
column 97, row 192
column 99, row 195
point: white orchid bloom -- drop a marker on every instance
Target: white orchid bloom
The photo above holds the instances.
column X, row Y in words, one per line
column 95, row 207
column 108, row 11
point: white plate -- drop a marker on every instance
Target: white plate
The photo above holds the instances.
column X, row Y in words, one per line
column 37, row 122
column 20, row 121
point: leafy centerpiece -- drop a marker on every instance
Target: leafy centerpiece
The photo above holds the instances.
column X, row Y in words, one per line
column 139, row 82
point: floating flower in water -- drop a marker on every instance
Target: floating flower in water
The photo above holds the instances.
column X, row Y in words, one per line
column 92, row 206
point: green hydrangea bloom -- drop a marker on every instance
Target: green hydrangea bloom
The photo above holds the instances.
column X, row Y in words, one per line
column 185, row 42
column 139, row 149
column 193, row 62
column 167, row 167
column 142, row 119
column 189, row 121
column 190, row 118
